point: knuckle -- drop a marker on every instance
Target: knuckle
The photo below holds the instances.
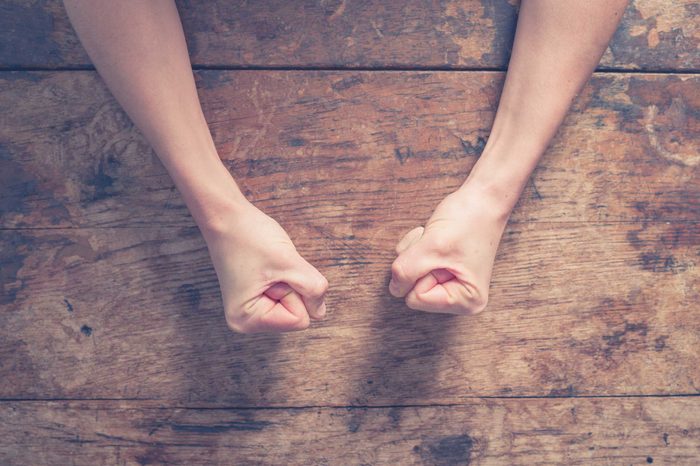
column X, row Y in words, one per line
column 303, row 324
column 476, row 305
column 267, row 275
column 472, row 300
column 439, row 243
column 238, row 323
column 412, row 302
column 319, row 286
column 398, row 271
column 480, row 305
column 238, row 327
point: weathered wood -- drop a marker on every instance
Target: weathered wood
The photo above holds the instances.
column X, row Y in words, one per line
column 453, row 34
column 106, row 289
column 314, row 141
column 481, row 432
column 135, row 313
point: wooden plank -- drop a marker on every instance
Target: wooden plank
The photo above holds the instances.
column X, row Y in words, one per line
column 315, row 140
column 451, row 34
column 482, row 432
column 609, row 309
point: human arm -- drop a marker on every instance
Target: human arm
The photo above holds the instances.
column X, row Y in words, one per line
column 446, row 266
column 139, row 49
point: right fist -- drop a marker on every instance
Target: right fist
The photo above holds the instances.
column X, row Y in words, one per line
column 266, row 285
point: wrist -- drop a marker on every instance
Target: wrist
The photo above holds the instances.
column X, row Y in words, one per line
column 493, row 200
column 498, row 179
column 216, row 211
column 210, row 193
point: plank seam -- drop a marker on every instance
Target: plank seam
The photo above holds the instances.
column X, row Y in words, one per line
column 515, row 222
column 166, row 402
column 611, row 70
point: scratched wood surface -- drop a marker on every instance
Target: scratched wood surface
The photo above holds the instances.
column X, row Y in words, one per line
column 113, row 348
column 453, row 34
column 576, row 309
column 340, row 143
column 478, row 432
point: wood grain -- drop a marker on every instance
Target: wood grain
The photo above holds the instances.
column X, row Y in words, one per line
column 576, row 309
column 480, row 432
column 450, row 34
column 318, row 141
column 107, row 291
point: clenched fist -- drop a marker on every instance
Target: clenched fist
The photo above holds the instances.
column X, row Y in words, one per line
column 446, row 266
column 266, row 285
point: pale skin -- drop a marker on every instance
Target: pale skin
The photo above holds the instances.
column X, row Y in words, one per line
column 139, row 49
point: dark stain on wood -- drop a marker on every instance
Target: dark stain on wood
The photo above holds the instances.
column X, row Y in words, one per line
column 347, row 83
column 86, row 330
column 211, row 79
column 68, row 304
column 475, row 148
column 191, row 295
column 446, row 451
column 355, row 420
column 651, row 38
column 629, row 330
column 616, row 340
column 17, row 184
column 662, row 255
column 395, row 416
column 12, row 256
column 297, row 142
column 565, row 392
column 155, row 454
column 654, row 262
column 535, row 191
column 503, row 15
column 402, row 154
column 660, row 342
column 103, row 180
column 25, row 29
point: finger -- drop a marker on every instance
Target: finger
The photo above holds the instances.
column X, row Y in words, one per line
column 279, row 319
column 451, row 297
column 408, row 268
column 424, row 284
column 322, row 311
column 311, row 285
column 285, row 310
column 289, row 298
column 435, row 299
column 435, row 277
column 278, row 291
column 278, row 309
column 408, row 239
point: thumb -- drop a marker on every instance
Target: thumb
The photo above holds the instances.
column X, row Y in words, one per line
column 409, row 239
column 311, row 285
column 411, row 265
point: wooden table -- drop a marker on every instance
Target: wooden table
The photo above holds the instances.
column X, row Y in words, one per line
column 348, row 121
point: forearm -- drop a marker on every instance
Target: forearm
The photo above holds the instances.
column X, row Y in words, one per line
column 557, row 46
column 139, row 49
